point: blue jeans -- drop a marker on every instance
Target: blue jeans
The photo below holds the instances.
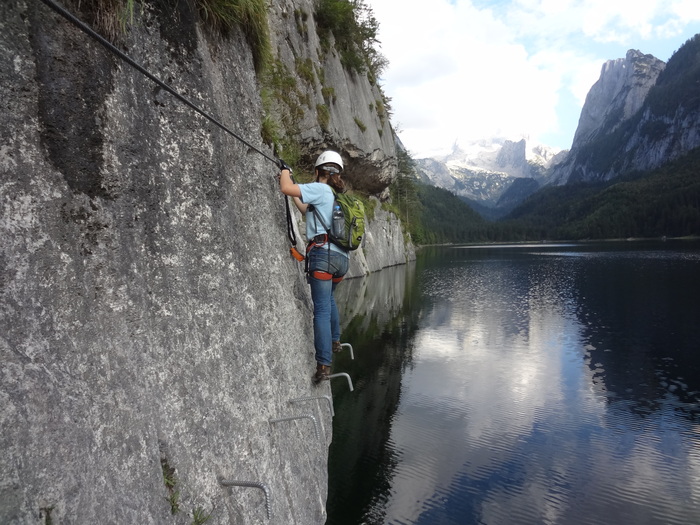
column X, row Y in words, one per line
column 326, row 319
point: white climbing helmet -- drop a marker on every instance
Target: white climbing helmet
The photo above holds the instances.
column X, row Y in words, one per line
column 329, row 157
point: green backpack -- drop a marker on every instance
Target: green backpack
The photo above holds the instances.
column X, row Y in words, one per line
column 350, row 236
column 346, row 231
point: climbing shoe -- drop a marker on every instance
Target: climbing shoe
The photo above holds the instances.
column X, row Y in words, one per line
column 322, row 373
column 336, row 347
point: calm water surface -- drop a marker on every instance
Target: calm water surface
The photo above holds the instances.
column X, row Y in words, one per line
column 555, row 384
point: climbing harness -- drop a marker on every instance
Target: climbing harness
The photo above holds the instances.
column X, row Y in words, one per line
column 319, row 242
column 110, row 47
column 325, row 276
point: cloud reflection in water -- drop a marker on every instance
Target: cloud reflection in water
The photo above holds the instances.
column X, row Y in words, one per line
column 500, row 420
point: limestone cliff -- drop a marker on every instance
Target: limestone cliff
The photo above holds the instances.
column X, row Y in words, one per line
column 618, row 94
column 640, row 114
column 341, row 108
column 152, row 322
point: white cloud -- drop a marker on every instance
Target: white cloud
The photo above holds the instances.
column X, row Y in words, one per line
column 464, row 69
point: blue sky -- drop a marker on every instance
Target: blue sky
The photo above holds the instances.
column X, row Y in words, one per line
column 467, row 70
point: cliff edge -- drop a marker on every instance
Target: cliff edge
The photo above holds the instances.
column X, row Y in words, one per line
column 155, row 333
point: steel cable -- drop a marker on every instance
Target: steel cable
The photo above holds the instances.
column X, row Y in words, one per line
column 113, row 49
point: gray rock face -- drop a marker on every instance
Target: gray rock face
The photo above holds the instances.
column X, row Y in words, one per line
column 626, row 126
column 358, row 125
column 618, row 94
column 682, row 134
column 512, row 155
column 616, row 98
column 151, row 319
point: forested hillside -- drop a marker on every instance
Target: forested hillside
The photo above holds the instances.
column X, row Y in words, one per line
column 678, row 82
column 663, row 203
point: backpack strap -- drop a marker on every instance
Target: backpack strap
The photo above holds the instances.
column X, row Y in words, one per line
column 329, row 233
column 318, row 217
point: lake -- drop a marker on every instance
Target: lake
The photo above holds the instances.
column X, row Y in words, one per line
column 523, row 384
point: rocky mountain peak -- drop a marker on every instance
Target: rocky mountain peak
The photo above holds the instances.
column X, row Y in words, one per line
column 483, row 170
column 618, row 94
column 498, row 155
column 640, row 114
column 512, row 154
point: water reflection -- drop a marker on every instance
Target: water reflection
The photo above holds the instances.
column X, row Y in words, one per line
column 376, row 298
column 641, row 326
column 361, row 462
column 524, row 385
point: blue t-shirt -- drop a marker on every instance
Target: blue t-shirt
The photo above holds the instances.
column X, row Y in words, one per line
column 320, row 196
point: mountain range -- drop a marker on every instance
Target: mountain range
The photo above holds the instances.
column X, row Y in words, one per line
column 641, row 114
column 491, row 175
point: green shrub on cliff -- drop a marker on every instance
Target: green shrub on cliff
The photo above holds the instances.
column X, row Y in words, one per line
column 112, row 17
column 354, row 28
column 249, row 15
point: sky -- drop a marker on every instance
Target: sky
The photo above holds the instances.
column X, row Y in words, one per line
column 468, row 70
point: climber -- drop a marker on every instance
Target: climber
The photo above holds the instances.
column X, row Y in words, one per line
column 326, row 262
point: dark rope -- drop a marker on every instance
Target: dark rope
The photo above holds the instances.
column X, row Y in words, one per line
column 290, row 226
column 87, row 29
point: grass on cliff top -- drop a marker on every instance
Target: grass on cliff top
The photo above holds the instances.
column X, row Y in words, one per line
column 249, row 15
column 112, row 17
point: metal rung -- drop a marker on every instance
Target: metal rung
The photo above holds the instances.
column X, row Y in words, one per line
column 327, row 398
column 252, row 484
column 301, row 416
column 343, row 374
column 352, row 354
